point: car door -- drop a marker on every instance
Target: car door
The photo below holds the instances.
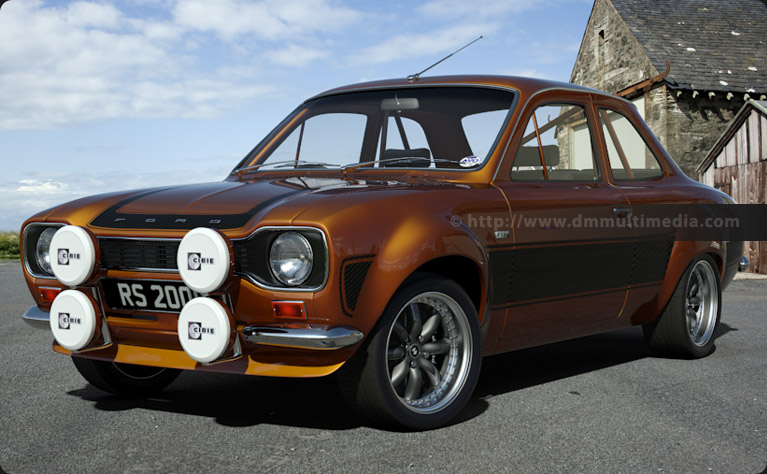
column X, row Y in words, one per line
column 633, row 166
column 570, row 250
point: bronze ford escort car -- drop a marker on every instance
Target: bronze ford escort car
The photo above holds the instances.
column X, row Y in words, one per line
column 395, row 232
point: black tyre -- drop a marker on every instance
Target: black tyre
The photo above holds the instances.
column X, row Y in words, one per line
column 125, row 379
column 421, row 364
column 687, row 326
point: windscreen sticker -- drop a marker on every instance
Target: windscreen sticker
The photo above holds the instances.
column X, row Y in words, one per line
column 469, row 161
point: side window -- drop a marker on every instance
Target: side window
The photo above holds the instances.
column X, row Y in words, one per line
column 556, row 147
column 332, row 139
column 630, row 157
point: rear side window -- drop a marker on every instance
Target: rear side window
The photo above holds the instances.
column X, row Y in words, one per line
column 630, row 157
column 557, row 146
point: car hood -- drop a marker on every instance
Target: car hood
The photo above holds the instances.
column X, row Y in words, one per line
column 231, row 205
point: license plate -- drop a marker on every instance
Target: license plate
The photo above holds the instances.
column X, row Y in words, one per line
column 132, row 295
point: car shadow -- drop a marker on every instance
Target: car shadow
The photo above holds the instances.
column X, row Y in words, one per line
column 539, row 365
column 240, row 401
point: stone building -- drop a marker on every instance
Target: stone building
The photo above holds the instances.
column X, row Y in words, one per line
column 717, row 56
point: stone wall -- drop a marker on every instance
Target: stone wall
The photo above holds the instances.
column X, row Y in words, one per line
column 610, row 58
column 693, row 125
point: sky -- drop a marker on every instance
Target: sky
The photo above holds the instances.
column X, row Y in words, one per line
column 98, row 96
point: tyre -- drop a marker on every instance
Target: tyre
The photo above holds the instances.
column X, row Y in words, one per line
column 125, row 379
column 687, row 326
column 422, row 361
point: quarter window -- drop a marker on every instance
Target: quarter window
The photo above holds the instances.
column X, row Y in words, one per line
column 557, row 146
column 629, row 156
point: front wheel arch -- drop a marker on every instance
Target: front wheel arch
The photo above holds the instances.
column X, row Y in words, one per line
column 368, row 379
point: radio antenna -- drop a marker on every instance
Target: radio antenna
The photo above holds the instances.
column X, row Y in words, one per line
column 414, row 77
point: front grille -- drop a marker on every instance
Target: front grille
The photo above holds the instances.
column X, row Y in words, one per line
column 133, row 254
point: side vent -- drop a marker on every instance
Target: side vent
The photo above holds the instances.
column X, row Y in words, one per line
column 353, row 273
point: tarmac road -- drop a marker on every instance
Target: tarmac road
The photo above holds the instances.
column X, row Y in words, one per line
column 598, row 404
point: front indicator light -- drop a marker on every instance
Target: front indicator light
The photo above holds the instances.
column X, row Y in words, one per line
column 47, row 295
column 289, row 309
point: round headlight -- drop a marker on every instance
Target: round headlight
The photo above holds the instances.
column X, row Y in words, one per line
column 290, row 258
column 42, row 249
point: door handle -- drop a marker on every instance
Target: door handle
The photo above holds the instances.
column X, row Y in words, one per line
column 622, row 212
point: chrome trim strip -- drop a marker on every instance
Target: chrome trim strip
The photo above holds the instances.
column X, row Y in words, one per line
column 24, row 237
column 37, row 318
column 322, row 339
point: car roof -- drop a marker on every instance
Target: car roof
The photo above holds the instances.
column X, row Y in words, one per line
column 525, row 85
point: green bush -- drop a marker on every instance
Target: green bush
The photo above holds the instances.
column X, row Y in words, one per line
column 9, row 245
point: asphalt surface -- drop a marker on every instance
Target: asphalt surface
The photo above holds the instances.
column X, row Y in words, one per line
column 597, row 404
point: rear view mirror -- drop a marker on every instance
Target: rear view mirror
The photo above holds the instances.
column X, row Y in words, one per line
column 396, row 103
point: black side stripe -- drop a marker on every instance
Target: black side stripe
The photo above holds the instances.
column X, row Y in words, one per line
column 524, row 274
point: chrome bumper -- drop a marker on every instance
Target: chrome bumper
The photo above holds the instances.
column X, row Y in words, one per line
column 323, row 339
column 37, row 318
column 743, row 264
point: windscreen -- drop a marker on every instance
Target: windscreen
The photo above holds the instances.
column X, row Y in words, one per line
column 436, row 127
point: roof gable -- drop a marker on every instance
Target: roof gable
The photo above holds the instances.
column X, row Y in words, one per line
column 751, row 104
column 713, row 45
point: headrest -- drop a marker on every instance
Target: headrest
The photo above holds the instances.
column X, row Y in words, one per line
column 529, row 156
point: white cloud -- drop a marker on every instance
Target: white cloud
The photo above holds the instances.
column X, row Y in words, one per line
column 87, row 61
column 415, row 45
column 294, row 55
column 34, row 186
column 92, row 14
column 268, row 19
column 476, row 8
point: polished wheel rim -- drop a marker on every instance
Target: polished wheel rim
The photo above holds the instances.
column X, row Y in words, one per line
column 429, row 351
column 138, row 372
column 701, row 303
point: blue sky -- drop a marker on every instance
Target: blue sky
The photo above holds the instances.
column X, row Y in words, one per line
column 101, row 95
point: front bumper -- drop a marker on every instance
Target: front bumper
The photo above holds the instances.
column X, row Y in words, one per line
column 312, row 338
column 37, row 318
